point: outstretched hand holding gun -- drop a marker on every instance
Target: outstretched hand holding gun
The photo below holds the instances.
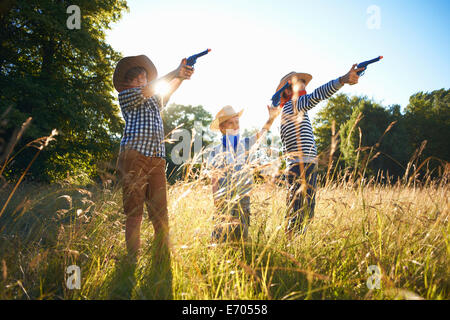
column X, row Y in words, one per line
column 366, row 63
column 351, row 77
column 166, row 85
column 356, row 71
column 193, row 59
column 184, row 71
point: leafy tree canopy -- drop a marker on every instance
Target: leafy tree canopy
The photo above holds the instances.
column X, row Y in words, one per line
column 61, row 78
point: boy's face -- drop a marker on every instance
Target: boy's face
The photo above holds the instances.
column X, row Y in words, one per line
column 140, row 80
column 231, row 126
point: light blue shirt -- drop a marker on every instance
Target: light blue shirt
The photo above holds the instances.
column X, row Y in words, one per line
column 234, row 170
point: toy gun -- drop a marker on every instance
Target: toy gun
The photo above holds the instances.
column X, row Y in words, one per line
column 277, row 96
column 365, row 64
column 193, row 59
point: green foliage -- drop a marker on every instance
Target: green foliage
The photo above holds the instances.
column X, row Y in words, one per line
column 178, row 116
column 338, row 108
column 428, row 118
column 62, row 79
column 379, row 136
column 81, row 166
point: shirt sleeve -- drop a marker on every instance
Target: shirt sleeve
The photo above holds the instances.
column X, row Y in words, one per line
column 158, row 101
column 308, row 101
column 131, row 98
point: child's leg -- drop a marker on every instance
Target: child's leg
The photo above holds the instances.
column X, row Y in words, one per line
column 311, row 187
column 132, row 174
column 302, row 195
column 157, row 204
column 294, row 199
column 221, row 225
column 246, row 207
column 244, row 217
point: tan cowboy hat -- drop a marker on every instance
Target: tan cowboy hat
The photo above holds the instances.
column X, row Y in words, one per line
column 224, row 114
column 294, row 77
column 126, row 64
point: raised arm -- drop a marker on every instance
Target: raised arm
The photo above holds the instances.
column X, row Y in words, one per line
column 273, row 114
column 308, row 101
column 173, row 80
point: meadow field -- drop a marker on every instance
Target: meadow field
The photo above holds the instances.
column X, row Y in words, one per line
column 71, row 99
column 401, row 228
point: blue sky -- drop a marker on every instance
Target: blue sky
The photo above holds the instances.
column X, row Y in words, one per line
column 255, row 43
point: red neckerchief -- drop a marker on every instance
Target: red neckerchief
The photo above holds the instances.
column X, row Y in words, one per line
column 283, row 101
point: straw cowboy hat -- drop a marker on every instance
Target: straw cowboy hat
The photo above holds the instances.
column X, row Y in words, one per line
column 224, row 114
column 294, row 77
column 126, row 64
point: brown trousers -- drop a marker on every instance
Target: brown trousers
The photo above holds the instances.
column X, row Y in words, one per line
column 143, row 181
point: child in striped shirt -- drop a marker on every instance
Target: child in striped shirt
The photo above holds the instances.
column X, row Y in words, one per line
column 298, row 142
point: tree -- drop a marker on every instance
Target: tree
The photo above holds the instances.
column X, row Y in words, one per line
column 339, row 108
column 375, row 137
column 62, row 78
column 428, row 118
column 178, row 116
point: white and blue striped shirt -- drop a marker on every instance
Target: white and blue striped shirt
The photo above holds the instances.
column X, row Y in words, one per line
column 296, row 130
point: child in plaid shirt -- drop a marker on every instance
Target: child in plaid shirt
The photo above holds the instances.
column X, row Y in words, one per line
column 141, row 163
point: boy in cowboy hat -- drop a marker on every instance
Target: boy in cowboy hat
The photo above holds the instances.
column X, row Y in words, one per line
column 141, row 163
column 231, row 177
column 298, row 142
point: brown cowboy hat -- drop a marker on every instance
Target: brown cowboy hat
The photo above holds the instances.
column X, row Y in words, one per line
column 294, row 77
column 126, row 64
column 224, row 114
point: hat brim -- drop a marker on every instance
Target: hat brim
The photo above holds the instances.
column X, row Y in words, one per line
column 295, row 76
column 126, row 64
column 215, row 125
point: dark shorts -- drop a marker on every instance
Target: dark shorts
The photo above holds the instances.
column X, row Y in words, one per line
column 301, row 197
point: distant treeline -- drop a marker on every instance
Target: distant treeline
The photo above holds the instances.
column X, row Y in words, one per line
column 367, row 134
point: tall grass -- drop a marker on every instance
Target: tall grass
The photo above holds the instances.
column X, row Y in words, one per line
column 401, row 227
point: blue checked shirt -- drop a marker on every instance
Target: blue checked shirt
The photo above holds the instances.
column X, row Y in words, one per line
column 144, row 131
